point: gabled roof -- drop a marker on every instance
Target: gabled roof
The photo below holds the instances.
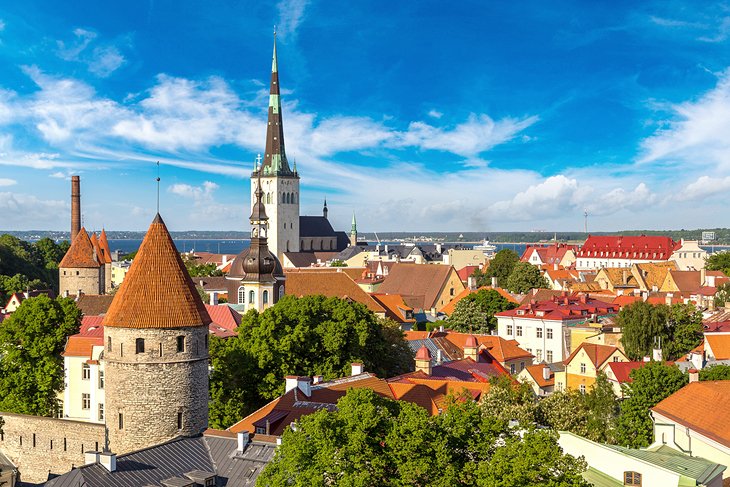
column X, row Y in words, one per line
column 621, row 370
column 329, row 284
column 309, row 259
column 627, row 247
column 315, row 226
column 618, row 276
column 549, row 254
column 464, row 370
column 654, row 273
column 80, row 254
column 94, row 304
column 597, row 354
column 216, row 283
column 224, row 316
column 157, row 291
column 720, row 346
column 535, row 372
column 699, row 407
column 466, row 271
column 686, row 281
column 565, row 307
column 419, row 284
column 395, row 307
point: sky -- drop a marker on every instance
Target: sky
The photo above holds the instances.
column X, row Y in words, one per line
column 416, row 115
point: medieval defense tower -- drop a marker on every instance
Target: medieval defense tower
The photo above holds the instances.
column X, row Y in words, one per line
column 156, row 350
column 279, row 183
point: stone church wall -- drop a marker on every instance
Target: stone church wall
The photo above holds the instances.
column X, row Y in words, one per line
column 38, row 445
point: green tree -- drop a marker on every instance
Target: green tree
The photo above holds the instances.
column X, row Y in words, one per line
column 684, row 331
column 719, row 261
column 722, row 295
column 524, row 277
column 650, row 384
column 312, row 335
column 468, row 317
column 715, row 372
column 338, row 263
column 490, row 302
column 679, row 327
column 501, row 267
column 47, row 253
column 510, row 402
column 31, row 342
column 370, row 440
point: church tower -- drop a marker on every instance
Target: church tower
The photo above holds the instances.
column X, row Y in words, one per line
column 353, row 231
column 279, row 183
column 156, row 350
column 256, row 279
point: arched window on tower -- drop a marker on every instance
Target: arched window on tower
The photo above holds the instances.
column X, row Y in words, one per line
column 251, row 296
column 265, row 297
column 268, row 198
column 139, row 345
column 293, row 198
column 241, row 295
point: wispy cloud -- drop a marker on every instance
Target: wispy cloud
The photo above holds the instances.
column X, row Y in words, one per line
column 291, row 13
column 23, row 210
column 7, row 182
column 101, row 60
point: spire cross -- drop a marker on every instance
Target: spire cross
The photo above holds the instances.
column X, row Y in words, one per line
column 258, row 160
column 158, row 187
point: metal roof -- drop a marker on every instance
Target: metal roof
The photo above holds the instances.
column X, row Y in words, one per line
column 695, row 468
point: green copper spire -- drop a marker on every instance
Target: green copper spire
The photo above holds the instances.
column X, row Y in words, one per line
column 353, row 229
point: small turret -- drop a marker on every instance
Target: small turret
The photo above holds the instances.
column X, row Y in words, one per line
column 324, row 210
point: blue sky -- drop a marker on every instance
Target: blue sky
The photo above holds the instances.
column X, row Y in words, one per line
column 428, row 115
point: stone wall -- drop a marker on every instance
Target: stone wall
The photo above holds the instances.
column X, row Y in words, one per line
column 283, row 233
column 150, row 388
column 39, row 446
column 89, row 280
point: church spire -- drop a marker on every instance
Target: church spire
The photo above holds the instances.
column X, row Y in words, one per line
column 275, row 162
column 353, row 231
column 324, row 210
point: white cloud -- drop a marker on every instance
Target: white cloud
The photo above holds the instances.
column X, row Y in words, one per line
column 7, row 182
column 203, row 192
column 697, row 134
column 291, row 14
column 704, row 187
column 102, row 60
column 2, row 25
column 23, row 211
column 433, row 113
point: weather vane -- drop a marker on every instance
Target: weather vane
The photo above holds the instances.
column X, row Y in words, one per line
column 158, row 187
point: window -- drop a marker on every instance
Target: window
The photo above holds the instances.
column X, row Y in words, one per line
column 451, row 291
column 539, row 333
column 121, row 350
column 549, row 356
column 616, row 359
column 538, row 355
column 85, row 401
column 101, row 411
column 85, row 372
column 519, row 330
column 549, row 332
column 139, row 345
column 265, row 297
column 260, row 430
column 206, row 342
column 522, row 365
column 582, row 388
column 180, row 344
column 241, row 295
column 509, row 329
column 210, row 483
column 281, row 292
column 582, row 368
column 109, row 344
column 251, row 296
column 179, row 420
column 101, row 379
column 511, row 368
column 632, row 478
column 121, row 421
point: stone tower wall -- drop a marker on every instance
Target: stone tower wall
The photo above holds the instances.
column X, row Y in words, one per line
column 283, row 235
column 150, row 388
column 89, row 279
column 107, row 278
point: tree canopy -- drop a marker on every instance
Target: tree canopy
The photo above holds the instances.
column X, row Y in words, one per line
column 500, row 267
column 650, row 384
column 370, row 440
column 525, row 276
column 31, row 343
column 715, row 372
column 719, row 261
column 643, row 325
column 312, row 335
column 25, row 265
column 488, row 302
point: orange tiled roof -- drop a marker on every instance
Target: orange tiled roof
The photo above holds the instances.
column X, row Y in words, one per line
column 394, row 306
column 535, row 372
column 329, row 284
column 698, row 406
column 500, row 348
column 720, row 346
column 80, row 254
column 81, row 346
column 597, row 354
column 104, row 244
column 420, row 284
column 157, row 292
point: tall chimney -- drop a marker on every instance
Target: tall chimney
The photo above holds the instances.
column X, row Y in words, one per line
column 75, row 206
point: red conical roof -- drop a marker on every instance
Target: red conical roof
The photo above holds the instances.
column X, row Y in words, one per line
column 423, row 354
column 157, row 292
column 104, row 244
column 81, row 252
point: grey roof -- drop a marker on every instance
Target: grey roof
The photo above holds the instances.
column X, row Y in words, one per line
column 695, row 468
column 175, row 459
column 217, row 283
column 315, row 226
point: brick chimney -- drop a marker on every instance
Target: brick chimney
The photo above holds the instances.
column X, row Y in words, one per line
column 423, row 360
column 75, row 206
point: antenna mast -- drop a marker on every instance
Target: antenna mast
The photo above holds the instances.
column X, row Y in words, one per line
column 158, row 187
column 585, row 223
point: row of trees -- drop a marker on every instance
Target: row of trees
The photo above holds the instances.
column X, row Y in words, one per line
column 25, row 265
column 371, row 440
column 511, row 274
column 312, row 335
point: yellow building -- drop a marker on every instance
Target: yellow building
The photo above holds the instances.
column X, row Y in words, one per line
column 119, row 272
column 584, row 364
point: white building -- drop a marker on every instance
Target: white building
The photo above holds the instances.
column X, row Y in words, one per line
column 83, row 373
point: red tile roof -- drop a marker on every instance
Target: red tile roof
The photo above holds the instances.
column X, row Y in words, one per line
column 329, row 284
column 157, row 291
column 564, row 308
column 622, row 370
column 224, row 316
column 465, row 272
column 451, row 305
column 104, row 244
column 549, row 254
column 720, row 346
column 464, row 370
column 628, row 247
column 700, row 407
column 535, row 372
column 80, row 254
column 395, row 307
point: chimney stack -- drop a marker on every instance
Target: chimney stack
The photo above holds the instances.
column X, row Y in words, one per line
column 75, row 206
column 694, row 375
column 243, row 439
column 546, row 373
column 423, row 360
column 357, row 368
column 471, row 348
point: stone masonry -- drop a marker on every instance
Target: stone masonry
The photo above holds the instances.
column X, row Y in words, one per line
column 149, row 389
column 89, row 280
column 38, row 445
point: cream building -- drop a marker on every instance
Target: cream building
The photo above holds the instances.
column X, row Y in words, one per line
column 689, row 256
column 83, row 395
column 584, row 364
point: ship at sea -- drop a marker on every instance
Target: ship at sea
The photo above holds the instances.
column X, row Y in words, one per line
column 487, row 248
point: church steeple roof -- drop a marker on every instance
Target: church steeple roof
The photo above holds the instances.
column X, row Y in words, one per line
column 157, row 291
column 275, row 162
